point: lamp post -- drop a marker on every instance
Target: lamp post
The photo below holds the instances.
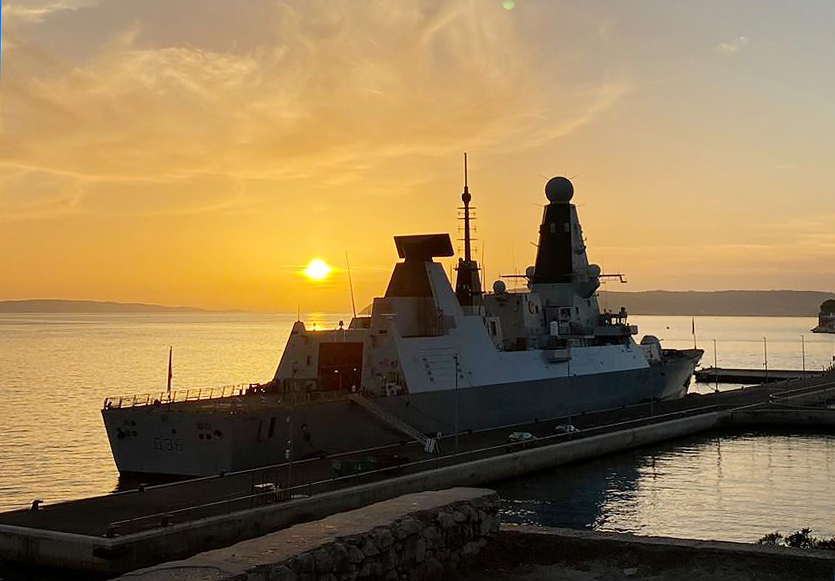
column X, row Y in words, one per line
column 288, row 454
column 288, row 450
column 455, row 357
column 765, row 359
column 803, row 352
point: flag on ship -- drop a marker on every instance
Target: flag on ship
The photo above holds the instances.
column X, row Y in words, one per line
column 169, row 369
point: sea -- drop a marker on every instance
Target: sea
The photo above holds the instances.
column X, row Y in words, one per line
column 57, row 369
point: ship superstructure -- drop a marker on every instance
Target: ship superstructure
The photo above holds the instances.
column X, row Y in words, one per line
column 427, row 360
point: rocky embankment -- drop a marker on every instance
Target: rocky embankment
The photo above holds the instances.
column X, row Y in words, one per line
column 417, row 537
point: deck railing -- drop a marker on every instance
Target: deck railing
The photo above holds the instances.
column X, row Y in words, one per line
column 295, row 396
column 145, row 399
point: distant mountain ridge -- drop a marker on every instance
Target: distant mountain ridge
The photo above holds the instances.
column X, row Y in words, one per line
column 68, row 306
column 770, row 303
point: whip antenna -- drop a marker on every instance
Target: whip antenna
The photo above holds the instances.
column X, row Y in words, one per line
column 466, row 197
column 351, row 286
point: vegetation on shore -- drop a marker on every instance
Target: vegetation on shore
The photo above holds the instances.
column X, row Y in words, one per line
column 801, row 539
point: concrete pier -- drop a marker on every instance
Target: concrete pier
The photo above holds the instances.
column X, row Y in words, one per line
column 177, row 540
column 175, row 521
column 750, row 376
column 418, row 536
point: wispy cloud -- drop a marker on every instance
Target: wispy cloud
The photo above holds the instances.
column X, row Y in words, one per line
column 36, row 194
column 597, row 100
column 33, row 11
column 732, row 46
column 340, row 87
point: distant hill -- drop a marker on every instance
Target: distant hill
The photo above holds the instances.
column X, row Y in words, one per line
column 62, row 306
column 777, row 303
column 751, row 303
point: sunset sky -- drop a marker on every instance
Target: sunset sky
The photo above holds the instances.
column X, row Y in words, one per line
column 202, row 152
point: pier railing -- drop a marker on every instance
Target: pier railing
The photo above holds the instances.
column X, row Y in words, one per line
column 821, row 396
column 272, row 484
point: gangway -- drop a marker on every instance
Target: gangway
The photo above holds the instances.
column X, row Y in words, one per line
column 430, row 445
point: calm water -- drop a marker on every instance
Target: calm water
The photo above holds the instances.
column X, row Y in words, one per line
column 732, row 487
column 55, row 370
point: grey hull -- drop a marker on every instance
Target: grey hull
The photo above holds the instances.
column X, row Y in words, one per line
column 174, row 440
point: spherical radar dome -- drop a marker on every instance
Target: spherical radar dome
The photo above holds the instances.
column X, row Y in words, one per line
column 559, row 189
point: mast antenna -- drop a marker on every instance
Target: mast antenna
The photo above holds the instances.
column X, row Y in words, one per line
column 466, row 197
column 467, row 284
column 351, row 286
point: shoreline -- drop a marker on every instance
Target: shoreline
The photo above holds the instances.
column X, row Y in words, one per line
column 524, row 553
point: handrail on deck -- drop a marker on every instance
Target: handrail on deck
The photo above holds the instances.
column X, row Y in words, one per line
column 216, row 393
column 163, row 397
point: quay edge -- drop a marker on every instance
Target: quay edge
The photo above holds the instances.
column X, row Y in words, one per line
column 129, row 552
column 97, row 554
column 527, row 553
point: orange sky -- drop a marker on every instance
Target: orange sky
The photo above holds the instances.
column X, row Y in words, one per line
column 201, row 152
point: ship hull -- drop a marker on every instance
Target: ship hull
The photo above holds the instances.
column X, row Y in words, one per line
column 179, row 440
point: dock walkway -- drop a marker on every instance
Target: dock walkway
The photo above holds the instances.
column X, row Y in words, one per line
column 155, row 506
column 211, row 511
column 751, row 376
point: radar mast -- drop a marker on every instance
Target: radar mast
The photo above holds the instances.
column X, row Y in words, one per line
column 468, row 282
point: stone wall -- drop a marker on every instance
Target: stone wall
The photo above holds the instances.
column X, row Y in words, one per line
column 418, row 547
column 411, row 538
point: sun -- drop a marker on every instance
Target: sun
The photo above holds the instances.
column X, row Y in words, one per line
column 317, row 269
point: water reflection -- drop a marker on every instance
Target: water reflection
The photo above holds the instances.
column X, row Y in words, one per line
column 58, row 368
column 570, row 496
column 727, row 486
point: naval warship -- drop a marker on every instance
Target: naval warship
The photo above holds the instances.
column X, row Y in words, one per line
column 427, row 360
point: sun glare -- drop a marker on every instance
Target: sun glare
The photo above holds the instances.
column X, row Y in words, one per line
column 317, row 269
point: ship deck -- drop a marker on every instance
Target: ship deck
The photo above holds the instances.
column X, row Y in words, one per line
column 134, row 510
column 214, row 402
